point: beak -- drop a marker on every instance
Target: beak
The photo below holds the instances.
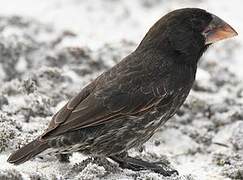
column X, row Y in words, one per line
column 218, row 30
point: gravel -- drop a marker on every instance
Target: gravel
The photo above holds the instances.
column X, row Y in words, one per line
column 40, row 72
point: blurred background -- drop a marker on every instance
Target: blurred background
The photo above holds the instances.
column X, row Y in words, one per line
column 108, row 21
column 50, row 49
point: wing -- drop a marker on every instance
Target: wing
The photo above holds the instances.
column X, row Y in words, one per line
column 112, row 95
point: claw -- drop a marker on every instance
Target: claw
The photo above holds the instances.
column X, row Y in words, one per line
column 138, row 164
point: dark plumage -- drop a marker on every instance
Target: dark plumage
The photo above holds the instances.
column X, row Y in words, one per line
column 124, row 106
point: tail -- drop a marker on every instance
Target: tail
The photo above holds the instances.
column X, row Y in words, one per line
column 28, row 151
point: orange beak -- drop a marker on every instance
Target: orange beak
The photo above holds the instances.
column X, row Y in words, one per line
column 218, row 30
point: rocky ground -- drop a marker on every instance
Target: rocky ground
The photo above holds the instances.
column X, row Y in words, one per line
column 39, row 72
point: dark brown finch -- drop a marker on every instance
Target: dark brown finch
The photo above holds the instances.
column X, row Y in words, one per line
column 124, row 106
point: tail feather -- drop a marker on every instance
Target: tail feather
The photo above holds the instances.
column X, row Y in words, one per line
column 28, row 151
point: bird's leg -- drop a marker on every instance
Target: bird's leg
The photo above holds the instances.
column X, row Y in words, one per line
column 63, row 158
column 135, row 164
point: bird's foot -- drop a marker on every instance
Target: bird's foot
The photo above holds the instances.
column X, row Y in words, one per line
column 134, row 164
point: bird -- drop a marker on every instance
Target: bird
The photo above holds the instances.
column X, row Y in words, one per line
column 124, row 106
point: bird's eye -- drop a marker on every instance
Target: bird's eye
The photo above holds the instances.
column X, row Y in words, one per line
column 196, row 22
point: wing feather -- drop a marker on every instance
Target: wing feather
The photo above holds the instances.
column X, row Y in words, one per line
column 110, row 97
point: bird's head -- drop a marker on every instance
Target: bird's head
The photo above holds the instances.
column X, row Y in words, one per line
column 188, row 32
